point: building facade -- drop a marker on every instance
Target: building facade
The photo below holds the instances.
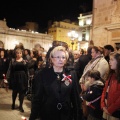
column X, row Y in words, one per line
column 30, row 26
column 60, row 30
column 10, row 37
column 106, row 22
column 85, row 23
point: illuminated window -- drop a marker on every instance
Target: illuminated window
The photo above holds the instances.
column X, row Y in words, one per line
column 88, row 21
column 81, row 22
column 83, row 36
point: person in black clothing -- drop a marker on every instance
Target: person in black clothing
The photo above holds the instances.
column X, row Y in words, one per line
column 27, row 55
column 18, row 73
column 107, row 50
column 92, row 96
column 32, row 63
column 3, row 66
column 56, row 90
column 39, row 58
column 82, row 62
column 76, row 54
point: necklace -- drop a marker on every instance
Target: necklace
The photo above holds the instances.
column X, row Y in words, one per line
column 58, row 75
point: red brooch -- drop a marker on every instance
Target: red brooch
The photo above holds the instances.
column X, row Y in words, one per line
column 5, row 82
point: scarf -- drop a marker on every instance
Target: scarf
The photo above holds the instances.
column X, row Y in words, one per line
column 89, row 67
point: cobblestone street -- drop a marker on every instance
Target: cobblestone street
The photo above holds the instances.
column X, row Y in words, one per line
column 6, row 113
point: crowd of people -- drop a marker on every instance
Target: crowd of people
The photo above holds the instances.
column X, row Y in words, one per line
column 68, row 85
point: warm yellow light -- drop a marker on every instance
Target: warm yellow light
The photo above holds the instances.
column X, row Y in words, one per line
column 85, row 46
column 80, row 38
column 73, row 35
column 88, row 21
column 87, row 37
column 50, row 45
column 16, row 42
column 81, row 23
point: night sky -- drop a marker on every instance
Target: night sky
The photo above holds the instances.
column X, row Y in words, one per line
column 17, row 12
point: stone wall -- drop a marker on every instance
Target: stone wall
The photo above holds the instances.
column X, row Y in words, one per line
column 106, row 20
column 11, row 37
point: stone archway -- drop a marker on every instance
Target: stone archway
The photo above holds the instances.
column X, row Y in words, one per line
column 1, row 44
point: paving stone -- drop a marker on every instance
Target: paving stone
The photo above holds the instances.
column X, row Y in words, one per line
column 6, row 113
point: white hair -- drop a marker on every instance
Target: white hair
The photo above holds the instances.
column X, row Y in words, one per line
column 59, row 48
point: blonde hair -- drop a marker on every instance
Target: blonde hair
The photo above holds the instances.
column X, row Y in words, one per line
column 18, row 50
column 59, row 48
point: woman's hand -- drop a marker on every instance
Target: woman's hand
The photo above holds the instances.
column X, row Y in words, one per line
column 83, row 87
column 105, row 110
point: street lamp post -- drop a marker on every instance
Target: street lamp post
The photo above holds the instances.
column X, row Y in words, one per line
column 73, row 35
column 72, row 43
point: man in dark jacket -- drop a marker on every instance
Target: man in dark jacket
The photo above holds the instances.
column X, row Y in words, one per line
column 82, row 62
column 107, row 50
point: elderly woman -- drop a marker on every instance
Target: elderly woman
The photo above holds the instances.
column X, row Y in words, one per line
column 56, row 90
column 18, row 74
column 76, row 55
column 99, row 63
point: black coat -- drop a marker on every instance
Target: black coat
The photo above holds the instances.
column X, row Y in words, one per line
column 49, row 92
column 3, row 67
column 81, row 63
column 92, row 93
column 17, row 75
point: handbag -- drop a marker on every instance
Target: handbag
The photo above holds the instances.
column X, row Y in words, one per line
column 84, row 108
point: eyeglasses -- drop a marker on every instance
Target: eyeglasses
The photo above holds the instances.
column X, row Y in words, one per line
column 19, row 53
column 58, row 57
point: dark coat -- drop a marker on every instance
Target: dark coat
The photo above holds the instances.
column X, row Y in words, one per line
column 80, row 65
column 17, row 75
column 32, row 66
column 3, row 67
column 49, row 92
column 92, row 93
column 107, row 58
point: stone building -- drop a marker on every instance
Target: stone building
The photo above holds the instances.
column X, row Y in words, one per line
column 10, row 37
column 30, row 26
column 106, row 22
column 85, row 23
column 60, row 29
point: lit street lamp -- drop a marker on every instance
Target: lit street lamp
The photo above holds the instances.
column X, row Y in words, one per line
column 72, row 35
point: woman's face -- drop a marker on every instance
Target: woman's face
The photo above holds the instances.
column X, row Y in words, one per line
column 59, row 59
column 26, row 52
column 113, row 63
column 94, row 53
column 19, row 54
column 2, row 53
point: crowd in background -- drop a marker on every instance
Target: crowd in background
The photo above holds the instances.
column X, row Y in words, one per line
column 97, row 73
